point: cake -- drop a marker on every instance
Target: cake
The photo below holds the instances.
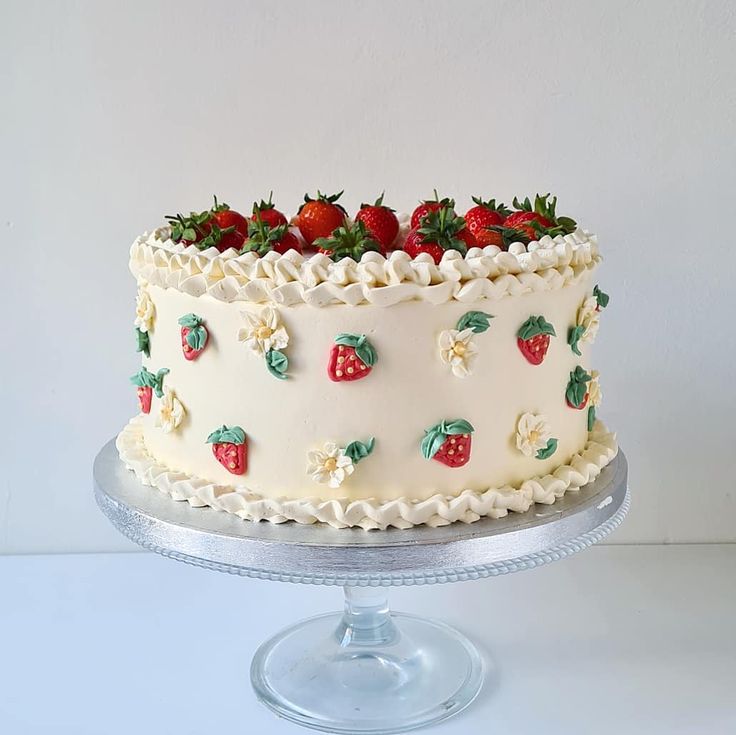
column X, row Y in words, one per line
column 377, row 371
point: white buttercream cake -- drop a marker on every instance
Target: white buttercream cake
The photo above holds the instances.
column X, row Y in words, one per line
column 372, row 371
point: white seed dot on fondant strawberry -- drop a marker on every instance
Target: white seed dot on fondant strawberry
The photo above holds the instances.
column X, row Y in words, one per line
column 351, row 370
column 451, row 451
column 459, row 447
column 341, row 359
column 338, row 373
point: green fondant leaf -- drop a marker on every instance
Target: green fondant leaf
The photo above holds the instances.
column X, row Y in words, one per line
column 158, row 386
column 143, row 342
column 277, row 363
column 577, row 387
column 591, row 418
column 358, row 450
column 143, row 378
column 478, row 321
column 574, row 336
column 359, row 342
column 227, row 434
column 534, row 326
column 197, row 338
column 458, row 426
column 548, row 451
column 348, row 340
column 601, row 297
column 190, row 320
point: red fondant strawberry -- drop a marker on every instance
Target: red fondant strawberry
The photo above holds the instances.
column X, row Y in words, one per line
column 533, row 338
column 230, row 448
column 268, row 213
column 380, row 221
column 352, row 357
column 448, row 442
column 194, row 336
column 438, row 231
column 483, row 216
column 430, row 205
column 320, row 217
column 148, row 383
column 576, row 394
column 348, row 241
column 262, row 238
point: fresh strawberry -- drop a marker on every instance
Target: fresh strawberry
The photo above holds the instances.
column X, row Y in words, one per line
column 219, row 227
column 230, row 448
column 348, row 241
column 190, row 230
column 262, row 237
column 194, row 336
column 352, row 357
column 484, row 215
column 380, row 221
column 430, row 205
column 438, row 231
column 576, row 394
column 225, row 218
column 268, row 213
column 448, row 442
column 533, row 338
column 147, row 384
column 319, row 217
column 467, row 237
column 538, row 220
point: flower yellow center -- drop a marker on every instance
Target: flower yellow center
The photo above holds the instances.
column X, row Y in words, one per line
column 533, row 436
column 264, row 332
column 330, row 464
column 459, row 348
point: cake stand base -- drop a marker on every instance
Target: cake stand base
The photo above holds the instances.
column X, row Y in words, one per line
column 367, row 670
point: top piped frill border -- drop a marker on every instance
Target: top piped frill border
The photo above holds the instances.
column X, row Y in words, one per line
column 483, row 273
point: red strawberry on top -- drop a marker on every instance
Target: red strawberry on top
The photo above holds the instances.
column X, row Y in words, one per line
column 147, row 384
column 576, row 394
column 268, row 213
column 484, row 215
column 319, row 217
column 430, row 205
column 380, row 221
column 533, row 338
column 262, row 237
column 194, row 336
column 541, row 219
column 230, row 448
column 348, row 241
column 225, row 218
column 448, row 442
column 219, row 227
column 352, row 357
column 438, row 231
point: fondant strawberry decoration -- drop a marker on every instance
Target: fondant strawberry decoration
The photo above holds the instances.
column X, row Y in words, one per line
column 230, row 448
column 430, row 205
column 319, row 217
column 448, row 442
column 380, row 221
column 267, row 213
column 147, row 384
column 438, row 231
column 601, row 297
column 483, row 217
column 348, row 241
column 533, row 338
column 352, row 357
column 264, row 237
column 194, row 336
column 576, row 393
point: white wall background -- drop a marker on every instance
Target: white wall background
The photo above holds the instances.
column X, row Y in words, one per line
column 115, row 113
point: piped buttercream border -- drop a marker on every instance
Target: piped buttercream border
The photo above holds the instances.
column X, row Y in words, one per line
column 439, row 510
column 483, row 273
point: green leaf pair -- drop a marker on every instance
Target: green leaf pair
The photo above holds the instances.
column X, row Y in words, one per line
column 359, row 450
column 534, row 326
column 548, row 451
column 277, row 363
column 227, row 435
column 478, row 321
column 363, row 348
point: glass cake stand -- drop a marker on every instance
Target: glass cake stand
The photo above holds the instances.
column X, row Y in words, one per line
column 365, row 670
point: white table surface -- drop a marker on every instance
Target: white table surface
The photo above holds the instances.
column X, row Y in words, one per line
column 613, row 640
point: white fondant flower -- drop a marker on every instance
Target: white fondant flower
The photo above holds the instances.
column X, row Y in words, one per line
column 594, row 390
column 458, row 350
column 532, row 433
column 144, row 311
column 589, row 319
column 171, row 413
column 264, row 331
column 330, row 466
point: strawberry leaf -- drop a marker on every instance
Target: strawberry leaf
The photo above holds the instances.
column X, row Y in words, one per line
column 534, row 326
column 574, row 336
column 577, row 387
column 197, row 338
column 591, row 417
column 143, row 378
column 190, row 320
column 227, row 435
column 600, row 297
column 548, row 451
column 277, row 363
column 358, row 450
column 478, row 321
column 158, row 387
column 435, row 436
column 143, row 342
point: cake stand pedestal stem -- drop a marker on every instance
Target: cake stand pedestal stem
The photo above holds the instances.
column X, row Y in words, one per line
column 366, row 619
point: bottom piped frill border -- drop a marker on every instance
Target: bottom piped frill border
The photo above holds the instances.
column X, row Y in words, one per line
column 439, row 510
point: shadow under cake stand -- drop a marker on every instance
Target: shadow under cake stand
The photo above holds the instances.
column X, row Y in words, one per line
column 365, row 670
